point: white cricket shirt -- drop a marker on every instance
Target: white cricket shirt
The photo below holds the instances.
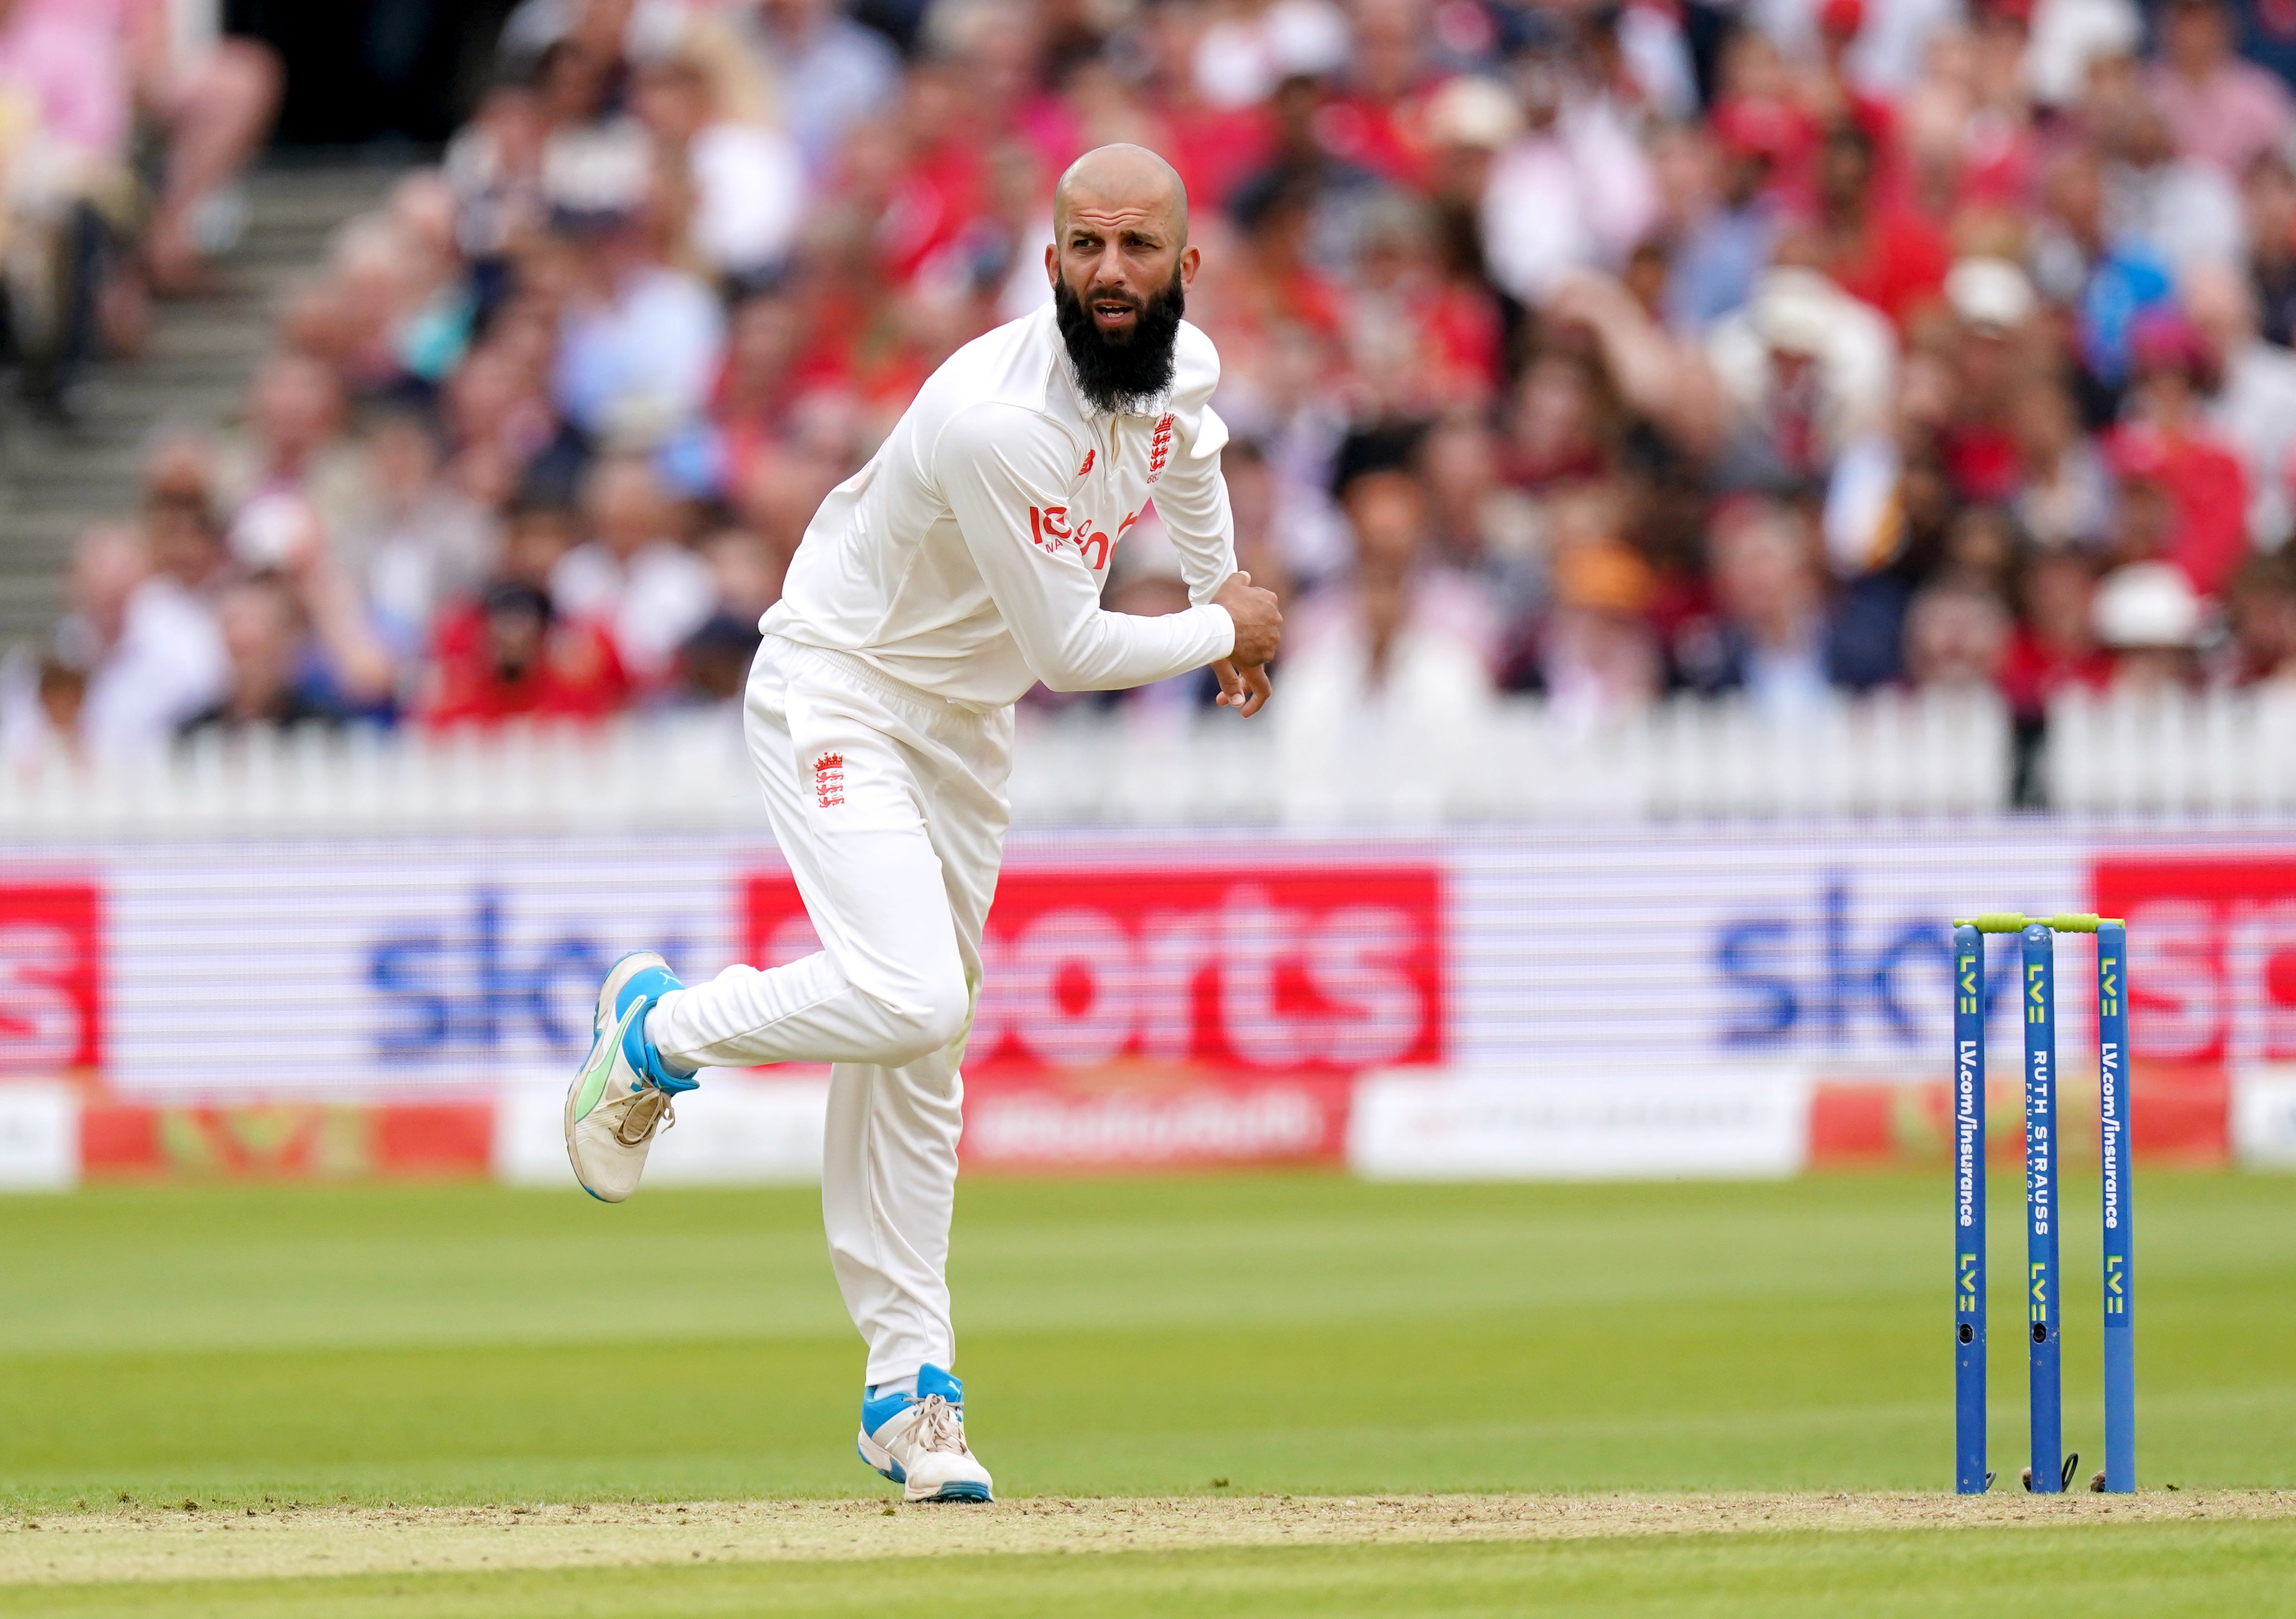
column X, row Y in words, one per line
column 967, row 557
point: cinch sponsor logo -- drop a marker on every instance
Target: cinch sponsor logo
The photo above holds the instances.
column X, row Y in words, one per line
column 1341, row 968
column 1048, row 527
column 1051, row 527
column 2211, row 966
column 468, row 983
column 51, row 977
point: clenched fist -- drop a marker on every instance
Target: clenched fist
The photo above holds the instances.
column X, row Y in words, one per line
column 1259, row 622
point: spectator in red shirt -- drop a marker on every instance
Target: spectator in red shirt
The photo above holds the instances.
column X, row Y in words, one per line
column 1379, row 118
column 939, row 187
column 1421, row 341
column 1880, row 251
column 1278, row 282
column 509, row 656
column 1991, row 301
column 2167, row 447
column 2054, row 647
column 512, row 651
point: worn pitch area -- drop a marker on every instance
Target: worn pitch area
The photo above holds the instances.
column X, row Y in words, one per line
column 139, row 1543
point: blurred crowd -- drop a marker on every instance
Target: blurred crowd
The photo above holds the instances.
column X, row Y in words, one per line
column 123, row 124
column 1777, row 348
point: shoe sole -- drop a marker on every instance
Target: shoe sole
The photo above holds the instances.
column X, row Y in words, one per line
column 880, row 1460
column 601, row 1010
column 957, row 1493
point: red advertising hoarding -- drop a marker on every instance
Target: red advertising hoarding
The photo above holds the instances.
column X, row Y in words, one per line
column 1238, row 968
column 1157, row 1017
column 51, row 977
column 285, row 1140
column 2211, row 955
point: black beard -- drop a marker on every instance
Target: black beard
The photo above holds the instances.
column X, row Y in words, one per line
column 1123, row 372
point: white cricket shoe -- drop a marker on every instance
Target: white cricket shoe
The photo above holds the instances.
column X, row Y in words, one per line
column 918, row 1442
column 619, row 1101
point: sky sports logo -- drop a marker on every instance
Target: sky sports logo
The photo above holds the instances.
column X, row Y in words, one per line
column 1823, row 976
column 1270, row 970
column 2211, row 963
column 1325, row 971
column 481, row 981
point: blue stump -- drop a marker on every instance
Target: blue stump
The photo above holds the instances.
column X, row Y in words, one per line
column 1969, row 1475
column 2113, row 1149
column 2041, row 1209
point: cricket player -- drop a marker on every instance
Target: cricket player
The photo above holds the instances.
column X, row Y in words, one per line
column 960, row 566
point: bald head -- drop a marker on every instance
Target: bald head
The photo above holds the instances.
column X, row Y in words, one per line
column 1123, row 183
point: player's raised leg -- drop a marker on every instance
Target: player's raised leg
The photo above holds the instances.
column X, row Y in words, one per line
column 846, row 772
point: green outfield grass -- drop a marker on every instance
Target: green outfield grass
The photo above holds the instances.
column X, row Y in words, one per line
column 1280, row 1333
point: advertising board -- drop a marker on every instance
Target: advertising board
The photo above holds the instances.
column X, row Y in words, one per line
column 1153, row 998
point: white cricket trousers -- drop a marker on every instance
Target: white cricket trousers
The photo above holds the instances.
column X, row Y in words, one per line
column 889, row 804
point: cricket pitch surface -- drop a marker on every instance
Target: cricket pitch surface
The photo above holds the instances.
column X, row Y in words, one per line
column 145, row 1543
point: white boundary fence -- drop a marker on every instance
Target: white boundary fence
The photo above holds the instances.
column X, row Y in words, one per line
column 2212, row 753
column 1891, row 755
column 1520, row 761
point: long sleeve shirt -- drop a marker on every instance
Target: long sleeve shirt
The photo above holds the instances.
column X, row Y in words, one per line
column 966, row 558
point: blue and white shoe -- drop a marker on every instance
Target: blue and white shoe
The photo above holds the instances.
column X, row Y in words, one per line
column 918, row 1440
column 620, row 1100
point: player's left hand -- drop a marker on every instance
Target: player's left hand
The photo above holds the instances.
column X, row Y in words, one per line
column 1246, row 691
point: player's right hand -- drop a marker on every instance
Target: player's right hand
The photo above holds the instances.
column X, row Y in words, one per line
column 1246, row 691
column 1259, row 621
